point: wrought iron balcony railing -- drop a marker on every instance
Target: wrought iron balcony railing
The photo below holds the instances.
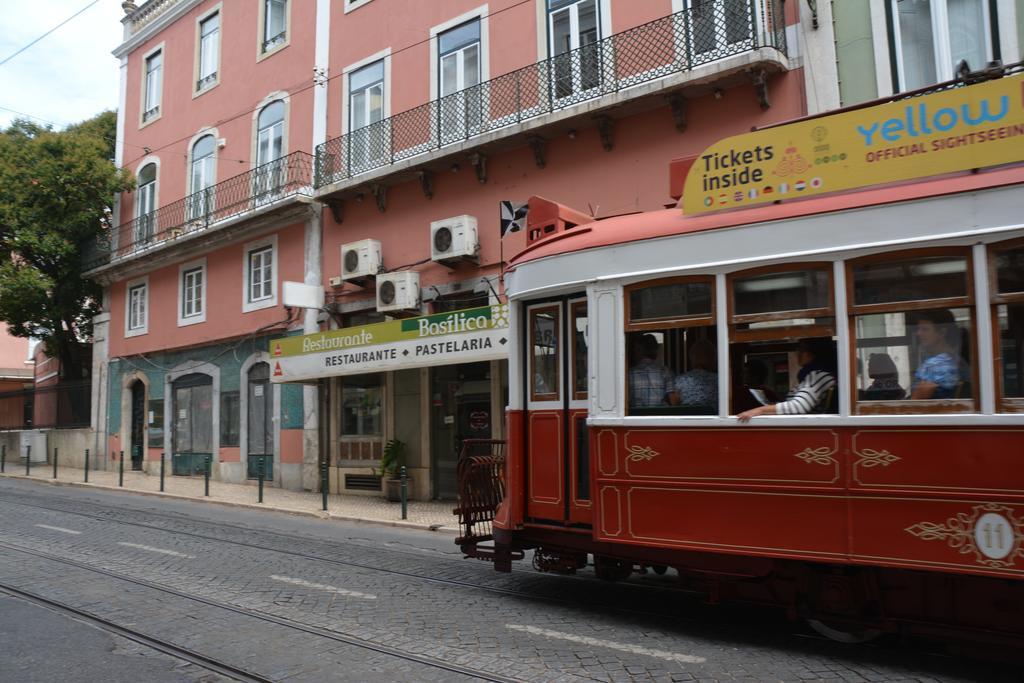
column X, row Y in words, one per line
column 247, row 192
column 709, row 31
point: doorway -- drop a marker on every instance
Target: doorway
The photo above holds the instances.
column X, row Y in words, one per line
column 460, row 408
column 138, row 424
column 260, row 409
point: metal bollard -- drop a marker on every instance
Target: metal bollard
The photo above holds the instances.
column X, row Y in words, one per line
column 28, row 460
column 260, row 474
column 55, row 463
column 161, row 471
column 405, row 494
column 206, row 476
column 3, row 458
column 323, row 483
column 86, row 465
column 120, row 470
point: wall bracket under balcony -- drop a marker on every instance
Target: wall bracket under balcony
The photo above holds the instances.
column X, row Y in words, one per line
column 479, row 162
column 606, row 129
column 540, row 150
column 759, row 77
column 677, row 101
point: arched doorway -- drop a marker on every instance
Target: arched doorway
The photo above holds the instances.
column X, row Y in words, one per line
column 192, row 438
column 260, row 413
column 138, row 424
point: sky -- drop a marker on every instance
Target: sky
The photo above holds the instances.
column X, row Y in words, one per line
column 68, row 76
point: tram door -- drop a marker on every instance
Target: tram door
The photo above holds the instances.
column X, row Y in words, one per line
column 557, row 453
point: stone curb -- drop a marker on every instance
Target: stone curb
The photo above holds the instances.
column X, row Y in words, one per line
column 251, row 506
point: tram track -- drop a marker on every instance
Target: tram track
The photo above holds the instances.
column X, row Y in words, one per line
column 159, row 644
column 668, row 613
column 210, row 663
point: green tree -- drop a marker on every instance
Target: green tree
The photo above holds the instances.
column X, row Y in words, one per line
column 57, row 190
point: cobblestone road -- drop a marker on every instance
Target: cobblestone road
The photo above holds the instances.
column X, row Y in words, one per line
column 296, row 599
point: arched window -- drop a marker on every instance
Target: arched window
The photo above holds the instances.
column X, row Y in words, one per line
column 145, row 204
column 202, row 176
column 270, row 133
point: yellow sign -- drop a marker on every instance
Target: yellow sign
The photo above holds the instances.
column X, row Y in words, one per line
column 952, row 130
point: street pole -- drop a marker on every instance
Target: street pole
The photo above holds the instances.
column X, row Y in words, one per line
column 260, row 475
column 86, row 465
column 120, row 470
column 323, row 483
column 3, row 458
column 55, row 463
column 161, row 471
column 206, row 476
column 405, row 495
column 28, row 460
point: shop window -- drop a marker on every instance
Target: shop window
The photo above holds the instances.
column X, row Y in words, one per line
column 1008, row 317
column 672, row 346
column 229, row 418
column 193, row 423
column 361, row 403
column 781, row 348
column 155, row 418
column 910, row 319
column 459, row 301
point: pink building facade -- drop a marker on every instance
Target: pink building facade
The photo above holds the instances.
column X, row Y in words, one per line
column 360, row 151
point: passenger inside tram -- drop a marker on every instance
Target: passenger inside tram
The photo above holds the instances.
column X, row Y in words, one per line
column 815, row 391
column 650, row 382
column 942, row 372
column 753, row 390
column 698, row 386
column 885, row 380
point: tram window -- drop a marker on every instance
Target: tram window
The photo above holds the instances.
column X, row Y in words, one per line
column 1008, row 296
column 911, row 324
column 671, row 342
column 781, row 350
column 544, row 323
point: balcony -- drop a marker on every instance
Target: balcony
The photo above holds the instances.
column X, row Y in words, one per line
column 698, row 45
column 265, row 191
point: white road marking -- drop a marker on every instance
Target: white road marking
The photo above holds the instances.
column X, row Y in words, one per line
column 156, row 550
column 610, row 644
column 323, row 587
column 58, row 528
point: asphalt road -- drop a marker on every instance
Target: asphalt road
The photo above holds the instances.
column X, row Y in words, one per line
column 299, row 599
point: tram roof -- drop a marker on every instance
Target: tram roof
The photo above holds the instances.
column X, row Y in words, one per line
column 669, row 222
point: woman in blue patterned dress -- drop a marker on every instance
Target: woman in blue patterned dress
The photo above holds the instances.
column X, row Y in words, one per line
column 939, row 374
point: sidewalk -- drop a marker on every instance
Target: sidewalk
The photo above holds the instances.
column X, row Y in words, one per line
column 433, row 515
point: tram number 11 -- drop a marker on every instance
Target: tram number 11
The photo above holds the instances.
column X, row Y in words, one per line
column 994, row 536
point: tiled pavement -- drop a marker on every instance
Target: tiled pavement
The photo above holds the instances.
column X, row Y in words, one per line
column 432, row 515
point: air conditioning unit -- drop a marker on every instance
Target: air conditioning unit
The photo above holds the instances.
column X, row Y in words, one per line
column 453, row 240
column 360, row 260
column 398, row 291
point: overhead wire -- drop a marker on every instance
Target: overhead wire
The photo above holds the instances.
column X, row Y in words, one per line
column 22, row 49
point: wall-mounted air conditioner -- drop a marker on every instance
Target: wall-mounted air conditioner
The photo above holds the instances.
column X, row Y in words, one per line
column 453, row 240
column 398, row 291
column 360, row 260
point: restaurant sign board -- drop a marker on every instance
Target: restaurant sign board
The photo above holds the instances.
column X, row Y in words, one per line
column 467, row 336
column 958, row 129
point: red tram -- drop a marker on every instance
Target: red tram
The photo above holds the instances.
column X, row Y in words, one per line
column 895, row 503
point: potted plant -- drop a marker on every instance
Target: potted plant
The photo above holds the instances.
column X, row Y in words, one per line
column 391, row 463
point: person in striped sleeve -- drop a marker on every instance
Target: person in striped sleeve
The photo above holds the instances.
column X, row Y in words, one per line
column 817, row 377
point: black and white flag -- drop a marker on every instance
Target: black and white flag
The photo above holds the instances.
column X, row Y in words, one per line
column 513, row 216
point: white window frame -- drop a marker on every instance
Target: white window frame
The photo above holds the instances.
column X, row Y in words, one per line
column 249, row 305
column 270, row 99
column 133, row 286
column 184, row 270
column 480, row 14
column 354, row 5
column 198, row 89
column 144, row 90
column 940, row 35
column 385, row 55
column 604, row 25
column 261, row 28
column 137, row 204
column 213, row 165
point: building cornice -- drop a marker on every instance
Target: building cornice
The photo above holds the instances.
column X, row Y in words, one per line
column 174, row 10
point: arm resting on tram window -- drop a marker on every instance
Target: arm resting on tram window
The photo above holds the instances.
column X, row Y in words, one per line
column 804, row 399
column 923, row 390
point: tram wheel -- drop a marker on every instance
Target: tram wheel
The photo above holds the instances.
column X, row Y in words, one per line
column 659, row 569
column 841, row 633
